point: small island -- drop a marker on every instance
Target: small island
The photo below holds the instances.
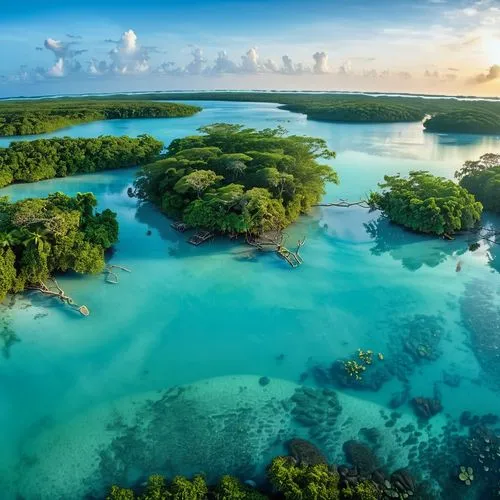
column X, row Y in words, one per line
column 43, row 236
column 31, row 161
column 238, row 181
column 482, row 179
column 28, row 117
column 465, row 121
column 427, row 204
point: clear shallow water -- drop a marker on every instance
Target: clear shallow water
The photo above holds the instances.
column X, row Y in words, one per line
column 216, row 318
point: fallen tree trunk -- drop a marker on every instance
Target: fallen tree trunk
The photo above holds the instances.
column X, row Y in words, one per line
column 60, row 294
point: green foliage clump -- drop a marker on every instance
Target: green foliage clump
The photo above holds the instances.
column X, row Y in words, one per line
column 30, row 161
column 156, row 488
column 235, row 180
column 426, row 203
column 312, row 482
column 46, row 115
column 117, row 493
column 465, row 121
column 230, row 488
column 482, row 179
column 39, row 237
column 365, row 490
column 184, row 489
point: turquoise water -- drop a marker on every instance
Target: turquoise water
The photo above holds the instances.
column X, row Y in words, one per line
column 215, row 319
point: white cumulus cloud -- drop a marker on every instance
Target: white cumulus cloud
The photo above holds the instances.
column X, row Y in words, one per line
column 128, row 57
column 320, row 62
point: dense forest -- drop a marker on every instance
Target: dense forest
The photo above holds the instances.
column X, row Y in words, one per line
column 39, row 237
column 426, row 203
column 471, row 115
column 236, row 180
column 482, row 179
column 478, row 122
column 46, row 115
column 30, row 161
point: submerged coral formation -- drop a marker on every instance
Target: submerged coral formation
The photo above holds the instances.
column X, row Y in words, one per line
column 318, row 411
column 481, row 316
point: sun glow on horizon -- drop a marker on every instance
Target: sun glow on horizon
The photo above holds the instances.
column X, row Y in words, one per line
column 491, row 48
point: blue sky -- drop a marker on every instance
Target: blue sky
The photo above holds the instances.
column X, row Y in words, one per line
column 437, row 46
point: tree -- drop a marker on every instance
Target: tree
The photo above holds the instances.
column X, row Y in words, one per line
column 313, row 482
column 426, row 203
column 40, row 237
column 117, row 493
column 30, row 161
column 184, row 489
column 156, row 488
column 238, row 180
column 198, row 181
column 482, row 179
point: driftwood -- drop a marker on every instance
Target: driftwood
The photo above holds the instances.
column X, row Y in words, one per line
column 60, row 294
column 112, row 277
column 346, row 204
column 274, row 241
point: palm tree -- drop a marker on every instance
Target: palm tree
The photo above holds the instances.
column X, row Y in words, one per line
column 36, row 238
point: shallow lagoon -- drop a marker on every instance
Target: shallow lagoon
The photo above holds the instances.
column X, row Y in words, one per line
column 216, row 318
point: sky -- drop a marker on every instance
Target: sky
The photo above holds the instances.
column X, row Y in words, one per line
column 418, row 46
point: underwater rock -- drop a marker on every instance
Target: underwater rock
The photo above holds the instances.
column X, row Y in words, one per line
column 305, row 453
column 426, row 407
column 482, row 449
column 420, row 336
column 451, row 379
column 403, row 481
column 263, row 381
column 400, row 398
column 7, row 337
column 468, row 420
column 317, row 410
column 481, row 317
column 370, row 434
column 360, row 456
column 373, row 378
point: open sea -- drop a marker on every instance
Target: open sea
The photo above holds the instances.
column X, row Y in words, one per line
column 165, row 375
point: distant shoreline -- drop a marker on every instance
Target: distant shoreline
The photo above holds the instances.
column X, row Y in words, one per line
column 255, row 91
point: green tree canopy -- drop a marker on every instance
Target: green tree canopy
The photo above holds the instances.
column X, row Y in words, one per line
column 39, row 237
column 482, row 179
column 426, row 203
column 237, row 180
column 30, row 161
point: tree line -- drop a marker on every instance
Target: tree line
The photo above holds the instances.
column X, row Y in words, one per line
column 30, row 161
column 446, row 114
column 28, row 117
